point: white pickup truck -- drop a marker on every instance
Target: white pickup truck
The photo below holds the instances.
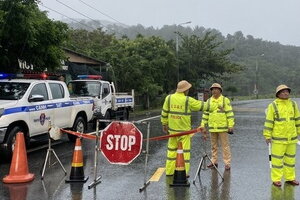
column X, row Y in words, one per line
column 108, row 103
column 29, row 105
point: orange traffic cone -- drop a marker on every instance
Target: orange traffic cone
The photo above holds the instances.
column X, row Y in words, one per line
column 19, row 166
column 180, row 179
column 77, row 173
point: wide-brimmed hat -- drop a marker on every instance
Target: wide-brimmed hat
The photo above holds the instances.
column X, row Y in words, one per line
column 216, row 85
column 183, row 86
column 282, row 87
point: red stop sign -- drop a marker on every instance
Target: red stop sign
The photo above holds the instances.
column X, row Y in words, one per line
column 121, row 142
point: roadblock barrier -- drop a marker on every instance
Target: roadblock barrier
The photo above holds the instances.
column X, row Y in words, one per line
column 164, row 137
column 77, row 172
column 146, row 183
column 180, row 179
column 81, row 135
column 197, row 130
column 19, row 172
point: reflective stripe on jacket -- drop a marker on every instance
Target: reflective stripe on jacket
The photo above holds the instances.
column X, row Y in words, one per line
column 282, row 123
column 176, row 112
column 218, row 120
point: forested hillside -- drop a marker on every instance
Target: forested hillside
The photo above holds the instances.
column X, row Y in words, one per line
column 264, row 63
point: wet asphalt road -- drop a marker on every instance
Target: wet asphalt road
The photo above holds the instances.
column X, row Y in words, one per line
column 248, row 179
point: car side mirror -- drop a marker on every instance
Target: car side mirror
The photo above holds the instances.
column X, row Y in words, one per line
column 36, row 98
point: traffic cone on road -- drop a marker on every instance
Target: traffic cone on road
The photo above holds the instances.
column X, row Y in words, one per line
column 77, row 173
column 19, row 166
column 180, row 179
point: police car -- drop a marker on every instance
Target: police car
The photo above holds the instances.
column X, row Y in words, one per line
column 29, row 105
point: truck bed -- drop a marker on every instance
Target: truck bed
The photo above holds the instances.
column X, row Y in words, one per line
column 123, row 100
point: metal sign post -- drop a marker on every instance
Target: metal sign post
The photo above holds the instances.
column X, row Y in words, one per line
column 96, row 179
column 146, row 183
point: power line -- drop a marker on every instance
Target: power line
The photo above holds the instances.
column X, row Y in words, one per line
column 81, row 50
column 76, row 20
column 106, row 15
column 66, row 16
column 75, row 10
column 85, row 15
column 102, row 13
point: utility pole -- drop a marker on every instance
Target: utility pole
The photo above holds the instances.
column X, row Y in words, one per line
column 255, row 91
column 177, row 46
column 256, row 76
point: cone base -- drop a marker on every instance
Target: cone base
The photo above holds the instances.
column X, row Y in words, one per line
column 180, row 184
column 180, row 179
column 18, row 179
column 83, row 180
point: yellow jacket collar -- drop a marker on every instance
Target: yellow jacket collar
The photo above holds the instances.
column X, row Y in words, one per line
column 282, row 100
column 180, row 93
column 218, row 97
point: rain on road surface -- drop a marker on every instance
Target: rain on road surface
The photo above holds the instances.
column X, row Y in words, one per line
column 248, row 179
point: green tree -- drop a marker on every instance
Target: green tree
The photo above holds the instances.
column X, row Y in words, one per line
column 90, row 43
column 28, row 34
column 203, row 58
column 146, row 64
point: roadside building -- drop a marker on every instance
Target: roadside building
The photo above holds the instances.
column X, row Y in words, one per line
column 78, row 64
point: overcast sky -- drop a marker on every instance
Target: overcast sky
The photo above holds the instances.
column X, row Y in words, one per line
column 272, row 20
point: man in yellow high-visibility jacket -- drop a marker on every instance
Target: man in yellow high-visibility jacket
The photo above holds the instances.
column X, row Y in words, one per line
column 220, row 122
column 176, row 118
column 281, row 128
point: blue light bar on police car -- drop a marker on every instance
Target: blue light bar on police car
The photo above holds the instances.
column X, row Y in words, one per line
column 26, row 76
column 7, row 76
column 89, row 76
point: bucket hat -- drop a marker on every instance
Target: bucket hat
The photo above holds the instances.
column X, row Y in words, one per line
column 282, row 87
column 216, row 85
column 183, row 86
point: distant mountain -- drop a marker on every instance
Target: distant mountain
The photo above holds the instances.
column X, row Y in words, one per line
column 92, row 24
column 266, row 64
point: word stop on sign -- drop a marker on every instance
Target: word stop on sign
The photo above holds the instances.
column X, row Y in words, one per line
column 120, row 142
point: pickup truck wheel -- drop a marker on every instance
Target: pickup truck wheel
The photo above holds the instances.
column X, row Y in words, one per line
column 125, row 114
column 11, row 140
column 79, row 126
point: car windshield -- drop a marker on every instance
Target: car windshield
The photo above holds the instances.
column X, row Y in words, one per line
column 82, row 88
column 12, row 90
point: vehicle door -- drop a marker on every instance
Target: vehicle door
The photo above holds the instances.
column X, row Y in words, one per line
column 40, row 109
column 106, row 98
column 62, row 111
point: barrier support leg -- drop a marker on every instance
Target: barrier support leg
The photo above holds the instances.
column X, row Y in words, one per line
column 146, row 183
column 96, row 179
column 203, row 161
column 49, row 151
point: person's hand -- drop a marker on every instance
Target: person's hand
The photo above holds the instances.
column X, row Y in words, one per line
column 221, row 108
column 268, row 141
column 204, row 133
column 165, row 129
column 230, row 131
